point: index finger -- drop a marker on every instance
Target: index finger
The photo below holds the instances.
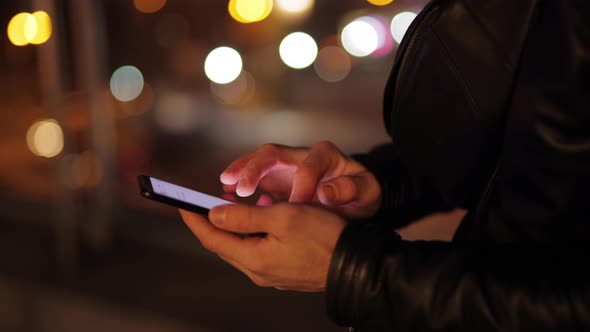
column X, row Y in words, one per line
column 245, row 173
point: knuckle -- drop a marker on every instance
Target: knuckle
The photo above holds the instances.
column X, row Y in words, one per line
column 250, row 171
column 268, row 148
column 346, row 183
column 325, row 146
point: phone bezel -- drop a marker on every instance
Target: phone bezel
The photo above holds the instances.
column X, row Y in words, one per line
column 146, row 190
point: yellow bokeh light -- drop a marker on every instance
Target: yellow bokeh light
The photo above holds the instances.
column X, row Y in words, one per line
column 25, row 28
column 380, row 2
column 249, row 11
column 18, row 28
column 43, row 28
column 45, row 138
column 295, row 6
column 149, row 6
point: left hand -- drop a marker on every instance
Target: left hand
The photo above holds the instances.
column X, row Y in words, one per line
column 294, row 255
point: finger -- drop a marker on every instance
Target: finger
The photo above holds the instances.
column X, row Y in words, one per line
column 218, row 241
column 278, row 184
column 232, row 173
column 268, row 158
column 256, row 169
column 230, row 188
column 339, row 191
column 264, row 200
column 229, row 197
column 245, row 219
column 342, row 190
column 322, row 158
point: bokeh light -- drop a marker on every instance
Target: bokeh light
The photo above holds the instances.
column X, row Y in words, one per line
column 16, row 29
column 43, row 28
column 25, row 28
column 298, row 50
column 385, row 40
column 333, row 64
column 235, row 92
column 143, row 103
column 126, row 83
column 400, row 24
column 360, row 38
column 45, row 138
column 249, row 11
column 223, row 65
column 294, row 6
column 149, row 6
column 380, row 2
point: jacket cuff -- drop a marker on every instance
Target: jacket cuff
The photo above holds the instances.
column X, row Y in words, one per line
column 354, row 270
column 385, row 182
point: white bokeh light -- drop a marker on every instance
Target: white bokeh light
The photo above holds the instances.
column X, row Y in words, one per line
column 126, row 83
column 298, row 50
column 400, row 24
column 223, row 65
column 385, row 40
column 45, row 138
column 360, row 38
column 294, row 6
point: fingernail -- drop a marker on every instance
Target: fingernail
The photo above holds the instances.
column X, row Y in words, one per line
column 243, row 189
column 329, row 191
column 217, row 215
column 223, row 178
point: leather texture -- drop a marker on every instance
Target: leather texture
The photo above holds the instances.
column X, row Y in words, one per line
column 488, row 107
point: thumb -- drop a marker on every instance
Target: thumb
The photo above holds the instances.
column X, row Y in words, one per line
column 348, row 189
column 238, row 218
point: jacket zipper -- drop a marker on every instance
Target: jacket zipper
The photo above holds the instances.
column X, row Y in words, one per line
column 430, row 9
column 409, row 50
column 412, row 42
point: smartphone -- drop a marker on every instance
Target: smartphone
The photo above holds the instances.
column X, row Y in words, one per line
column 175, row 195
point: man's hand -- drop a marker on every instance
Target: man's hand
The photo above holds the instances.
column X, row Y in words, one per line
column 321, row 174
column 295, row 253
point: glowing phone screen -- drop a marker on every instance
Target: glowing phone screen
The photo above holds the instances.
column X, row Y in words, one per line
column 186, row 195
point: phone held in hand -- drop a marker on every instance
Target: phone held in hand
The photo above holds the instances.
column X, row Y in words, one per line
column 177, row 196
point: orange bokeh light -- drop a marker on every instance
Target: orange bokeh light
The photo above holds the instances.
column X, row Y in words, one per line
column 149, row 6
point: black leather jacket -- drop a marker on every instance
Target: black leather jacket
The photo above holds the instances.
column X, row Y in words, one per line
column 488, row 107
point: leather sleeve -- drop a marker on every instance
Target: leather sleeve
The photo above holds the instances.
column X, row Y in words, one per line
column 405, row 198
column 527, row 271
column 377, row 282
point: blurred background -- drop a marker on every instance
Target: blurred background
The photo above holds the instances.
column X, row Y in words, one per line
column 95, row 92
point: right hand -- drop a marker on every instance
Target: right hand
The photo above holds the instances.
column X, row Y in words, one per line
column 321, row 175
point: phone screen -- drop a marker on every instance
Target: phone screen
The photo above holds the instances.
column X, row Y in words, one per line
column 175, row 195
column 186, row 195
